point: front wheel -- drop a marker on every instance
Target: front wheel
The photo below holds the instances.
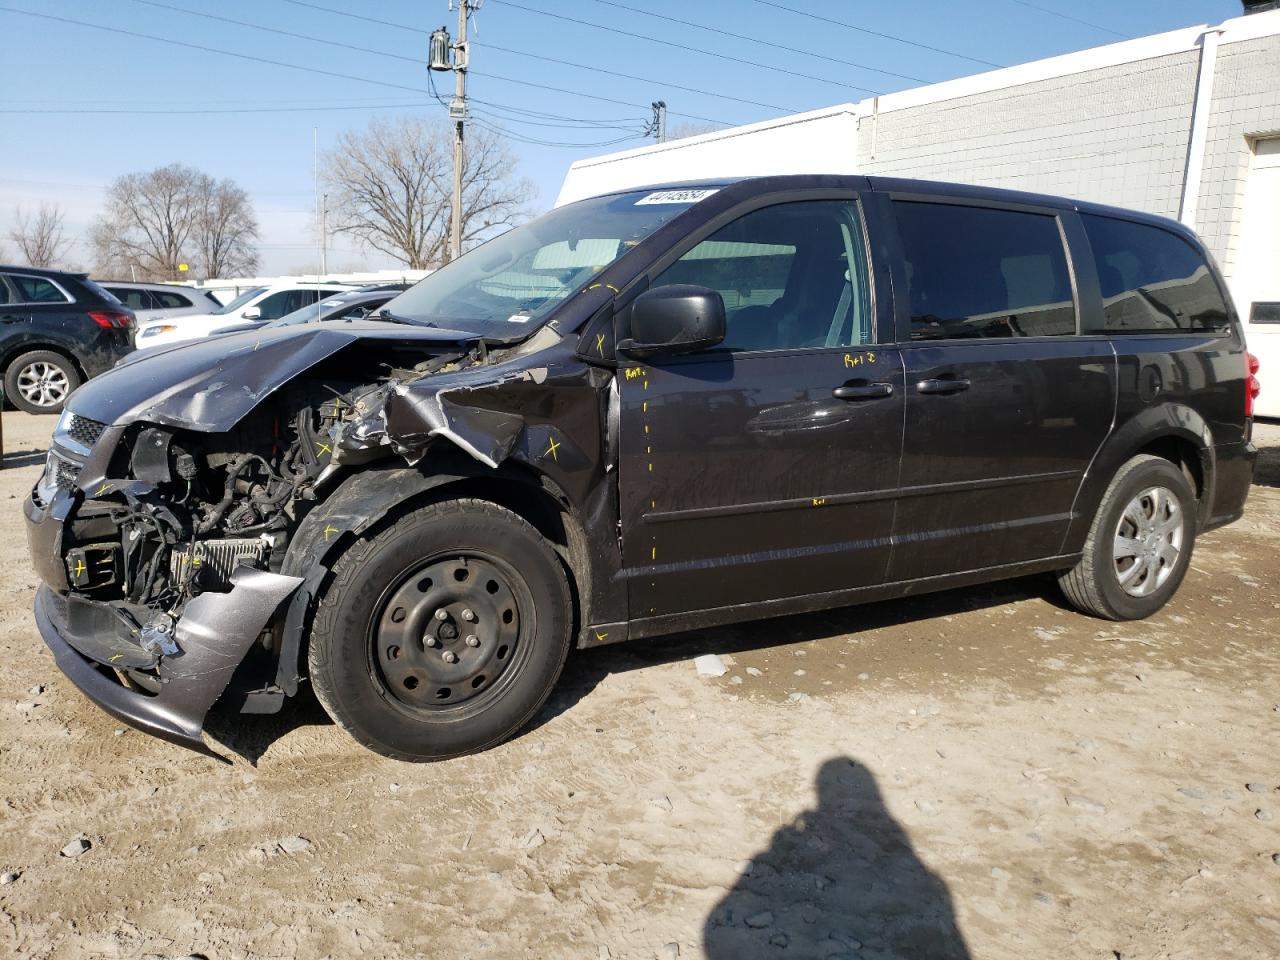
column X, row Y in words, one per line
column 1139, row 546
column 443, row 633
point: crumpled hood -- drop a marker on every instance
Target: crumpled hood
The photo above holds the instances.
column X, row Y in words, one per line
column 211, row 384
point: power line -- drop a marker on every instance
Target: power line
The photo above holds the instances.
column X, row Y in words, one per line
column 1064, row 16
column 773, row 68
column 761, row 40
column 629, row 76
column 202, row 111
column 545, row 59
column 876, row 33
column 316, row 70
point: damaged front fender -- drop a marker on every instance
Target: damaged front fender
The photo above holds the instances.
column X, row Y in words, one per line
column 213, row 635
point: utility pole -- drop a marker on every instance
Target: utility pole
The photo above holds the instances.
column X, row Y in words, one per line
column 659, row 124
column 440, row 59
column 324, row 234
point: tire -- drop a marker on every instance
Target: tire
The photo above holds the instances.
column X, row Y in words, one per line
column 40, row 381
column 464, row 578
column 1139, row 547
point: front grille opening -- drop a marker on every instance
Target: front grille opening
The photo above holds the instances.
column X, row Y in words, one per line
column 84, row 431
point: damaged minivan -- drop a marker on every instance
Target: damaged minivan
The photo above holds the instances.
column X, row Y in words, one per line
column 645, row 412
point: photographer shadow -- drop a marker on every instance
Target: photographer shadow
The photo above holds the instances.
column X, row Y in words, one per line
column 841, row 880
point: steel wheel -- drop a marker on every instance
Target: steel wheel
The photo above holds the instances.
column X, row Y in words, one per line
column 1148, row 541
column 449, row 632
column 43, row 384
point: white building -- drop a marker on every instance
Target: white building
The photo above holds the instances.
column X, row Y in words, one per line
column 1184, row 124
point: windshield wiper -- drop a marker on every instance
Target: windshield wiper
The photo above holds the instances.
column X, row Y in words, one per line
column 390, row 317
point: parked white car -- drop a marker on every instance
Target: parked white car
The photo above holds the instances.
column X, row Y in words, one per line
column 156, row 301
column 260, row 303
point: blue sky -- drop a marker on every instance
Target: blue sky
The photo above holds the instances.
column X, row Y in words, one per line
column 54, row 66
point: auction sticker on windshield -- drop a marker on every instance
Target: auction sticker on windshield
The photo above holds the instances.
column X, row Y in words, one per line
column 676, row 196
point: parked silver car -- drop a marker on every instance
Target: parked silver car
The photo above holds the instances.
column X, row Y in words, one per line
column 156, row 301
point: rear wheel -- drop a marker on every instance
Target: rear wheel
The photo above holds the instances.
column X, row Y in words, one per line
column 442, row 634
column 40, row 381
column 1139, row 546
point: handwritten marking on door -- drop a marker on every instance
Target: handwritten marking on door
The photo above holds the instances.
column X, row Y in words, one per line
column 858, row 359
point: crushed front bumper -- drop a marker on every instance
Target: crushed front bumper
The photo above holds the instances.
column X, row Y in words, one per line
column 214, row 633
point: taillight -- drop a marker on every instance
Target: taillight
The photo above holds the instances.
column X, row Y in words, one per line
column 111, row 319
column 1251, row 385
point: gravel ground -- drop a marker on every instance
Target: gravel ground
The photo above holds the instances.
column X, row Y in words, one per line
column 979, row 773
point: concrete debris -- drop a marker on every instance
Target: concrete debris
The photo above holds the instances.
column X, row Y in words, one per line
column 759, row 920
column 1257, row 787
column 670, row 951
column 76, row 847
column 295, row 845
column 663, row 803
column 1263, row 815
column 8, row 877
column 1195, row 793
column 754, row 672
column 1085, row 804
column 709, row 665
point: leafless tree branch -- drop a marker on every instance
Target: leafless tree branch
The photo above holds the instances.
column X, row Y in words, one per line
column 391, row 186
column 40, row 238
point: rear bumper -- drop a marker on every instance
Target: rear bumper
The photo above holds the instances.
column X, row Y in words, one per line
column 1232, row 477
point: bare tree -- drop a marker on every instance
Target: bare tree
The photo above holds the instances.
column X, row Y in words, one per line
column 682, row 130
column 226, row 230
column 391, row 184
column 156, row 220
column 40, row 238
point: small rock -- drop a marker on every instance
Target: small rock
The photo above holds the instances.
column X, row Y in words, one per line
column 663, row 803
column 602, row 952
column 533, row 839
column 758, row 920
column 1263, row 815
column 1043, row 899
column 864, row 676
column 1257, row 787
column 1195, row 793
column 735, row 679
column 25, row 706
column 1275, row 858
column 670, row 951
column 709, row 665
column 36, row 690
column 780, row 939
column 295, row 845
column 1085, row 804
column 119, row 732
column 76, row 847
column 845, row 940
column 395, row 788
column 743, row 868
column 797, row 697
column 927, row 808
column 754, row 672
column 8, row 877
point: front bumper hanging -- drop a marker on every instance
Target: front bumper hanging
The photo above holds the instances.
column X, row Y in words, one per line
column 213, row 635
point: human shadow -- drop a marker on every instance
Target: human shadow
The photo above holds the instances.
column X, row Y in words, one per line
column 841, row 880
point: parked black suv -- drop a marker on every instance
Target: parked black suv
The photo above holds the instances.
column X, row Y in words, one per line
column 56, row 330
column 644, row 412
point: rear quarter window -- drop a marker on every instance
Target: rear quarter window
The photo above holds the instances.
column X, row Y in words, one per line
column 1152, row 280
column 170, row 301
column 36, row 289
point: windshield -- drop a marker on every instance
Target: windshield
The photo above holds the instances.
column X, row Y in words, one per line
column 512, row 283
column 240, row 301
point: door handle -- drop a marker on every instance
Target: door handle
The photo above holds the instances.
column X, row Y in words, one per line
column 943, row 385
column 863, row 391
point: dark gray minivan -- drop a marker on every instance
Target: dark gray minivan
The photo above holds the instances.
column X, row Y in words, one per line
column 650, row 411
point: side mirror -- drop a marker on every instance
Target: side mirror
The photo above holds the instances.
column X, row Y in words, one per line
column 677, row 318
column 253, row 313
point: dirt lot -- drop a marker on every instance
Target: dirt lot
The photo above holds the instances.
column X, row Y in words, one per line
column 980, row 773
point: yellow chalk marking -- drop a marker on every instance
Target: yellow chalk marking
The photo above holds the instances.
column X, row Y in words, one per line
column 648, row 449
column 600, row 343
column 651, row 468
column 595, row 286
column 819, row 501
column 653, row 504
column 645, row 407
column 551, row 451
column 601, row 636
column 646, row 384
column 114, row 657
column 646, row 428
column 80, row 568
column 329, row 531
column 325, row 448
column 103, row 489
column 653, row 554
column 634, row 373
column 858, row 359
